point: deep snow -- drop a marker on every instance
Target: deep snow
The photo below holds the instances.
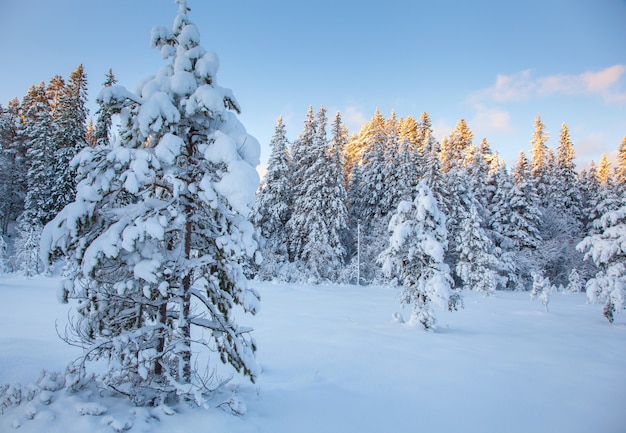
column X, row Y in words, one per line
column 335, row 361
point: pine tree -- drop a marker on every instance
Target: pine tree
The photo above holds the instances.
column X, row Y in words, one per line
column 160, row 219
column 604, row 170
column 539, row 152
column 415, row 257
column 567, row 192
column 271, row 210
column 500, row 189
column 432, row 174
column 337, row 212
column 102, row 131
column 456, row 147
column 607, row 248
column 318, row 222
column 391, row 168
column 13, row 166
column 476, row 265
column 71, row 137
column 409, row 132
column 373, row 169
column 620, row 170
column 37, row 131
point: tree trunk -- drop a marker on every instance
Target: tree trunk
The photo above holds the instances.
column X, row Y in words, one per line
column 185, row 320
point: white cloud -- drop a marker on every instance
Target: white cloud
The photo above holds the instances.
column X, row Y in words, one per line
column 354, row 118
column 521, row 86
column 489, row 119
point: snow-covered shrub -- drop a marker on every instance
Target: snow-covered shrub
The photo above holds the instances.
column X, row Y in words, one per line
column 541, row 289
column 27, row 250
column 606, row 246
column 415, row 257
column 4, row 256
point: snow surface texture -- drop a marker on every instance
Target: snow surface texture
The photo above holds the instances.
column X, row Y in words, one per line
column 335, row 360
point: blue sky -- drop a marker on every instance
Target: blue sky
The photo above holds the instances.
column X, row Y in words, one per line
column 496, row 64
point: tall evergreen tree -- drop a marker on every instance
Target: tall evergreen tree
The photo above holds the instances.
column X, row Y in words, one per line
column 539, row 151
column 457, row 145
column 373, row 170
column 38, row 133
column 102, row 130
column 318, row 220
column 604, row 170
column 271, row 210
column 161, row 219
column 70, row 138
column 620, row 170
column 13, row 166
column 567, row 190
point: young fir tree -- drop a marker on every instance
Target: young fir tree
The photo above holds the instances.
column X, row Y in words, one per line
column 415, row 257
column 541, row 289
column 272, row 206
column 607, row 248
column 160, row 222
column 575, row 282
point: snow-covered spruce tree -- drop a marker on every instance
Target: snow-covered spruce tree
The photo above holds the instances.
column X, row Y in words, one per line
column 271, row 210
column 476, row 265
column 620, row 170
column 102, row 129
column 336, row 210
column 314, row 232
column 540, row 156
column 37, row 133
column 575, row 282
column 415, row 257
column 13, row 166
column 158, row 232
column 70, row 117
column 606, row 246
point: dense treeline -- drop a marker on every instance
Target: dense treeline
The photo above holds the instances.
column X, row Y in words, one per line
column 325, row 206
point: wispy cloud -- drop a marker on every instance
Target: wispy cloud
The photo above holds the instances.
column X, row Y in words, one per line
column 607, row 83
column 488, row 119
column 353, row 117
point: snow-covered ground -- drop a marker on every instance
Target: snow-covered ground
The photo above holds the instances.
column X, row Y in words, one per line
column 335, row 361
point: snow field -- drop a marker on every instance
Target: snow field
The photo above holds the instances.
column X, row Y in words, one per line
column 334, row 361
